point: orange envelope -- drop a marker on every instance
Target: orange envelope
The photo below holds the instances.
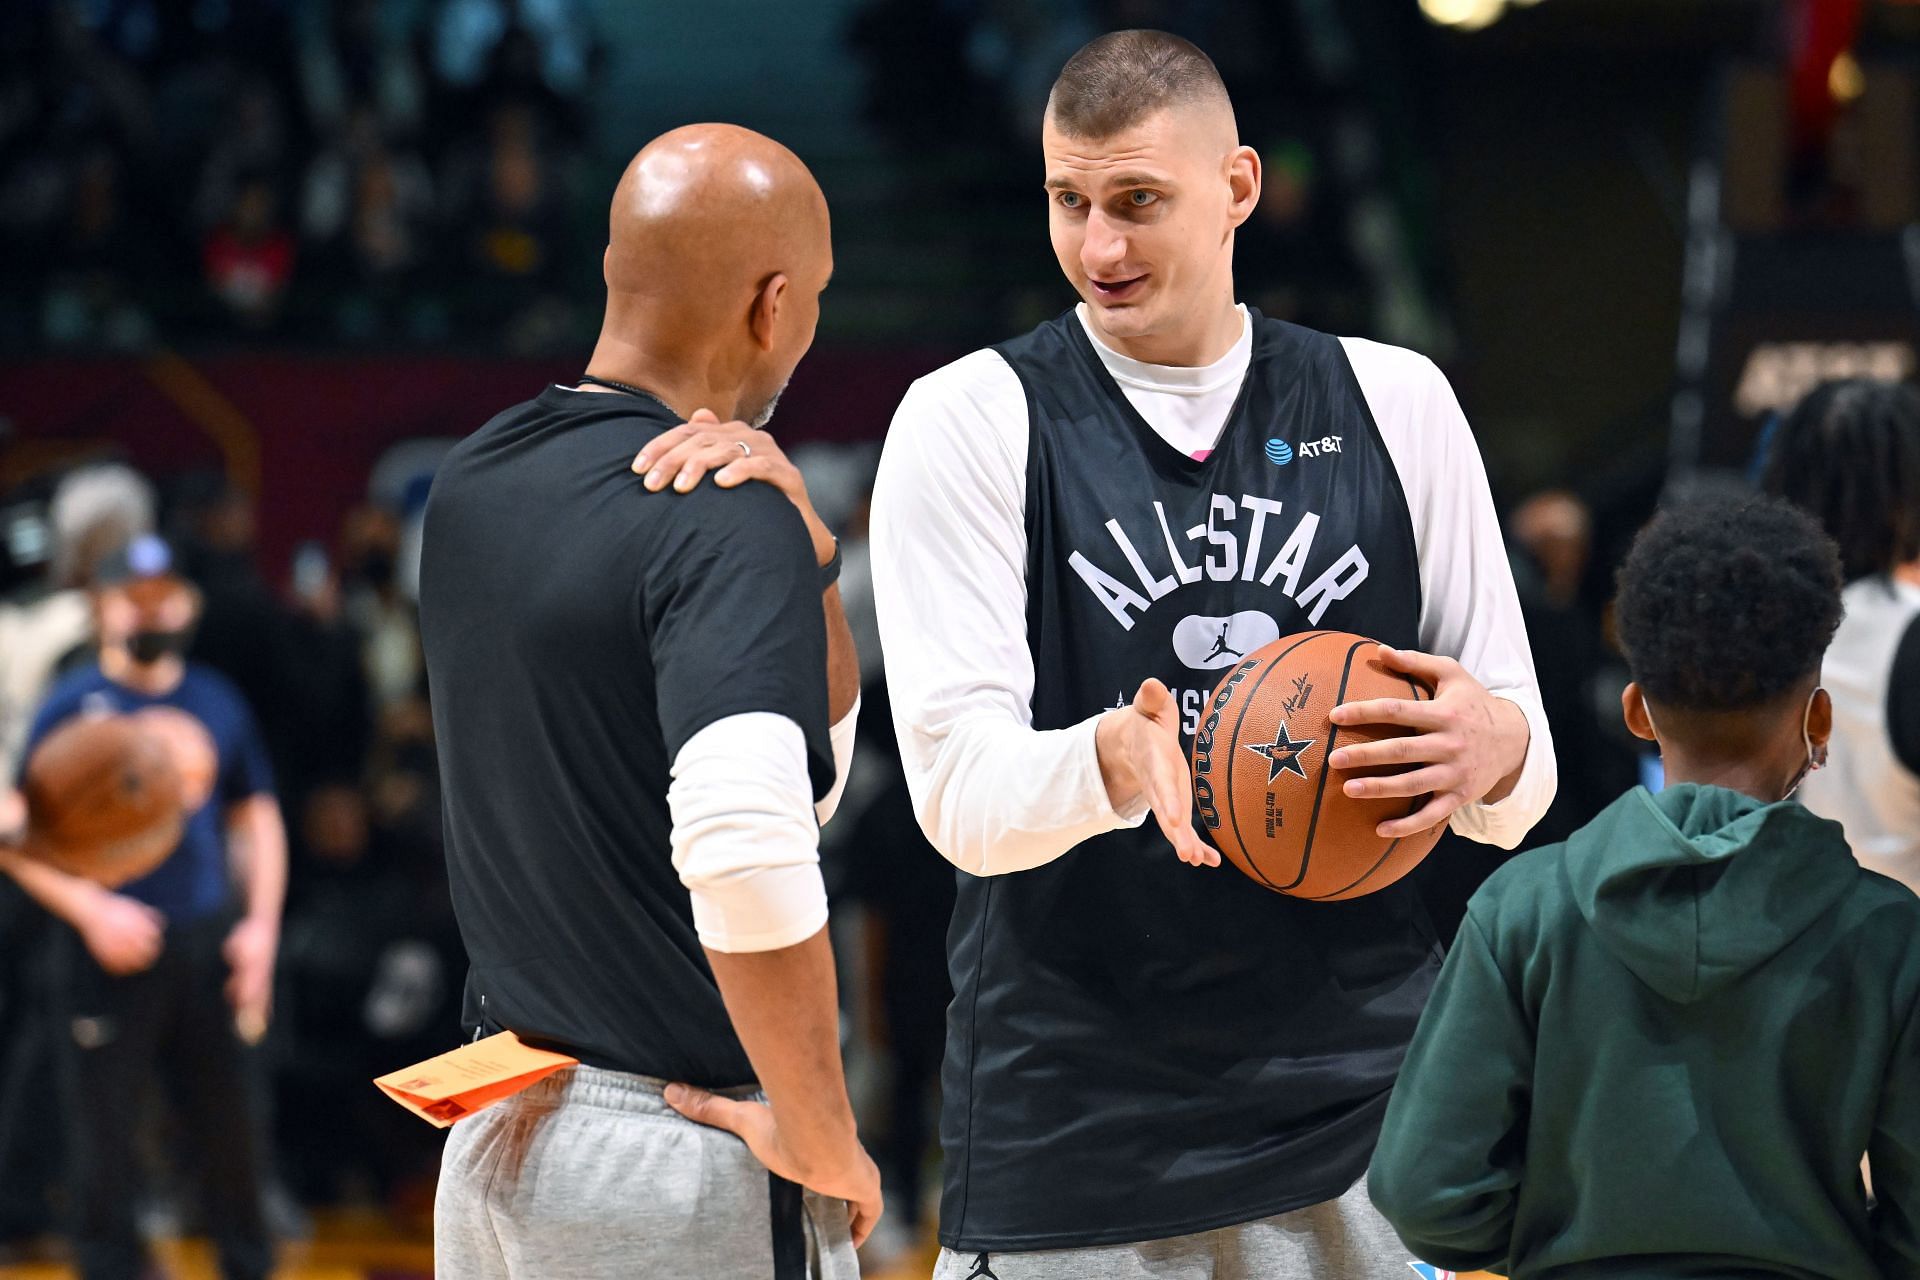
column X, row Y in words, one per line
column 455, row 1085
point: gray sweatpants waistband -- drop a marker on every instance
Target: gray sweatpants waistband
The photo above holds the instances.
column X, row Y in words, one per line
column 585, row 1086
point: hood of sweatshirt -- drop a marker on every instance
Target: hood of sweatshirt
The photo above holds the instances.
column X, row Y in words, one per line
column 1698, row 885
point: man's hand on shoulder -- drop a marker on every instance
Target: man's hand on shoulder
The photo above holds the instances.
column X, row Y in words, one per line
column 1466, row 745
column 683, row 456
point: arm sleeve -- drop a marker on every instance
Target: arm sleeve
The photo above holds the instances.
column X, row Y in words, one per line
column 993, row 794
column 245, row 767
column 732, row 620
column 1469, row 609
column 1446, row 1172
column 841, row 736
column 1893, row 1155
column 744, row 840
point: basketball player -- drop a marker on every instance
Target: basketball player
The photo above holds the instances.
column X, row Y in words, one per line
column 162, row 975
column 1659, row 1049
column 1153, row 1069
column 631, row 694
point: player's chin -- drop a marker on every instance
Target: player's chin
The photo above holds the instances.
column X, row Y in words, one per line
column 1129, row 318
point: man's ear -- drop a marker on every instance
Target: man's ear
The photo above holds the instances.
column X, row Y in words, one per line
column 764, row 313
column 1633, row 709
column 1243, row 184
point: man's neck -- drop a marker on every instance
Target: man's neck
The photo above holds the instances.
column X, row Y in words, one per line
column 154, row 679
column 1192, row 346
column 681, row 383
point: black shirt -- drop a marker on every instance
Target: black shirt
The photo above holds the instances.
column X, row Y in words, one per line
column 578, row 631
column 1124, row 1032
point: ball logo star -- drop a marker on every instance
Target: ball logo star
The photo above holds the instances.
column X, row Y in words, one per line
column 1282, row 754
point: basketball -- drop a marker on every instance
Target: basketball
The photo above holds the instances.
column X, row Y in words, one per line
column 103, row 799
column 1261, row 785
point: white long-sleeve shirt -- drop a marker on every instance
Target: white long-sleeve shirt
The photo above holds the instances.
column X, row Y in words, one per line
column 949, row 565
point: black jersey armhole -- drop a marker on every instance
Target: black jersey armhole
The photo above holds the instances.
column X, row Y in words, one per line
column 1903, row 699
column 1032, row 502
column 1379, row 442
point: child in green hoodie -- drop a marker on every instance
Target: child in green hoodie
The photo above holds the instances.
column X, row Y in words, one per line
column 1661, row 1048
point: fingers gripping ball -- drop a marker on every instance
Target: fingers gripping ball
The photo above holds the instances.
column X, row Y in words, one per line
column 103, row 799
column 1262, row 788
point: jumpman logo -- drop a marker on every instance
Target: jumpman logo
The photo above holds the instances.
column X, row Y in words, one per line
column 980, row 1270
column 1220, row 644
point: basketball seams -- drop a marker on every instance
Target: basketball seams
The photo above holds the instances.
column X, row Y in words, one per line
column 1319, row 794
column 1246, row 701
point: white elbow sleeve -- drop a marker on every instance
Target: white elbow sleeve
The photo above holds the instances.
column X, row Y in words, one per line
column 744, row 839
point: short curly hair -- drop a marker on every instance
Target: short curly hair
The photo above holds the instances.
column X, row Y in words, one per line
column 1727, row 605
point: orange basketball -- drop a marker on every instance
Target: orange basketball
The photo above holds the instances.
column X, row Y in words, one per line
column 1261, row 785
column 103, row 799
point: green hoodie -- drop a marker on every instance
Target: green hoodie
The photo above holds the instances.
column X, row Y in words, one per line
column 1660, row 1050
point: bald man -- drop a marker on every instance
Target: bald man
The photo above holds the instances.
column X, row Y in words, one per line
column 632, row 694
column 1156, row 1066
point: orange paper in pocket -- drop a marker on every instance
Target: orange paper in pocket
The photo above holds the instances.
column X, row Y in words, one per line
column 475, row 1076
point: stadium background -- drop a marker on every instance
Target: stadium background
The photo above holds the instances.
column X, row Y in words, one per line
column 273, row 255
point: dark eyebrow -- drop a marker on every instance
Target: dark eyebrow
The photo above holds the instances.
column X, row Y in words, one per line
column 1131, row 178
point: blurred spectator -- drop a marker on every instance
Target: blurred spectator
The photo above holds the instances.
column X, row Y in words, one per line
column 1293, row 253
column 368, row 211
column 381, row 614
column 248, row 259
column 370, row 977
column 94, row 510
column 504, row 191
column 97, row 262
column 1849, row 453
column 1552, row 536
column 555, row 38
column 359, row 52
column 167, row 976
column 252, row 147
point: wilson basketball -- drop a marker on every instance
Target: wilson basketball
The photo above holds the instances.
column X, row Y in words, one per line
column 103, row 799
column 1262, row 788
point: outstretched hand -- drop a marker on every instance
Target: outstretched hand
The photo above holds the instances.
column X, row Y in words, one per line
column 1141, row 758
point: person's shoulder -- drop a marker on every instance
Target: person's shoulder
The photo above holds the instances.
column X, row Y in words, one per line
column 1885, row 899
column 1529, row 891
column 1391, row 374
column 213, row 688
column 979, row 377
column 66, row 693
column 753, row 522
column 947, row 416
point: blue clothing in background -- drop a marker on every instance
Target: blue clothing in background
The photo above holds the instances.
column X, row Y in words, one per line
column 194, row 881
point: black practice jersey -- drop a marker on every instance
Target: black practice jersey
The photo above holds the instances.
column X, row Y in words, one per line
column 1137, row 1048
column 578, row 630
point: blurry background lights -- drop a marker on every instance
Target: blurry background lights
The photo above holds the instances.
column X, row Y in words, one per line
column 1469, row 15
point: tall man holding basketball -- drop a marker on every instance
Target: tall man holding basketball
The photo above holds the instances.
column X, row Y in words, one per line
column 1150, row 1065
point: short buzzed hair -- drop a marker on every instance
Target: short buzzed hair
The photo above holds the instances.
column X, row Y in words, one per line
column 1124, row 76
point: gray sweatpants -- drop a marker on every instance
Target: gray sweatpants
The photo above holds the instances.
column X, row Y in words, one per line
column 589, row 1175
column 1344, row 1239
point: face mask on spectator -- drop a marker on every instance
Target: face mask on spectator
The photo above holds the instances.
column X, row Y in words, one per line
column 151, row 646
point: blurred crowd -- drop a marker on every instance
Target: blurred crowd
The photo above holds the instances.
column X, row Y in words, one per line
column 346, row 171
